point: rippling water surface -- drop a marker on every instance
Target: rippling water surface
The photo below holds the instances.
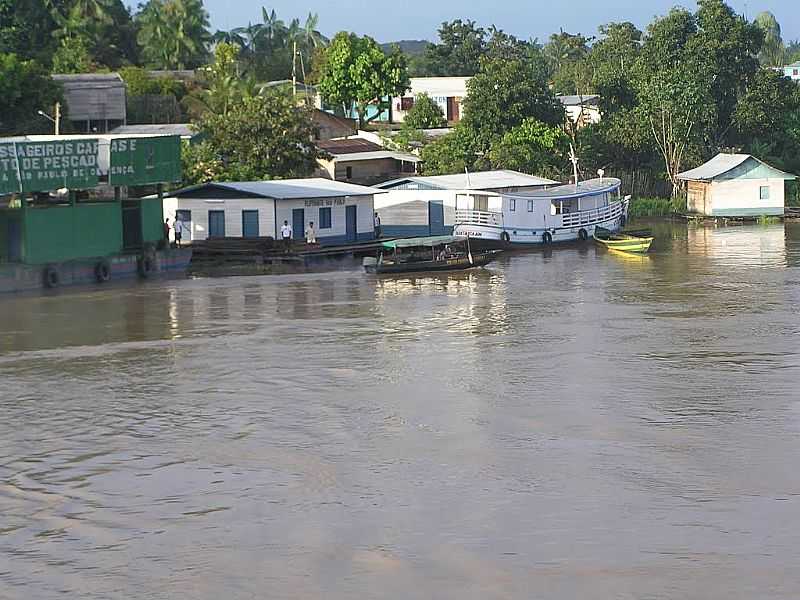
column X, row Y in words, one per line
column 569, row 424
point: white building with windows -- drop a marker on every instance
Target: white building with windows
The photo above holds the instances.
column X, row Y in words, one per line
column 447, row 92
column 735, row 185
column 342, row 213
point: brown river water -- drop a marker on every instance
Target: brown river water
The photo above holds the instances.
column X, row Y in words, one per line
column 564, row 424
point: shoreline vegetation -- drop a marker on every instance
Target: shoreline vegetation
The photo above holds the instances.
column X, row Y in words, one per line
column 688, row 85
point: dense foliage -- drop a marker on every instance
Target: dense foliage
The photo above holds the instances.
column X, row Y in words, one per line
column 357, row 72
column 265, row 136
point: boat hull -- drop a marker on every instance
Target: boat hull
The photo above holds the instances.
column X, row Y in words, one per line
column 24, row 278
column 491, row 237
column 633, row 245
column 452, row 264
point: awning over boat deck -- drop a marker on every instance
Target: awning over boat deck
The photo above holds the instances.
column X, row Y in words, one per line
column 437, row 240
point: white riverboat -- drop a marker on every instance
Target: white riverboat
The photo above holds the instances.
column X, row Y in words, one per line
column 559, row 214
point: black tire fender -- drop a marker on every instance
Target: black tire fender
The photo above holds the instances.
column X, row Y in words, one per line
column 583, row 235
column 52, row 277
column 145, row 265
column 547, row 237
column 505, row 237
column 102, row 271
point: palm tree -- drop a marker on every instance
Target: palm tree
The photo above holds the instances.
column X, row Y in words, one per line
column 174, row 33
column 273, row 29
column 313, row 38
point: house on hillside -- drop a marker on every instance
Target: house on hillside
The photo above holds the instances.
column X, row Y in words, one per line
column 96, row 102
column 426, row 205
column 735, row 185
column 341, row 213
column 447, row 92
column 582, row 109
column 328, row 126
column 360, row 161
column 792, row 71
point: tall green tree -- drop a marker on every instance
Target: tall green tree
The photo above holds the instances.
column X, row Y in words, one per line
column 532, row 147
column 259, row 137
column 506, row 92
column 25, row 88
column 461, row 45
column 425, row 114
column 566, row 55
column 26, row 29
column 611, row 63
column 773, row 52
column 357, row 72
column 174, row 34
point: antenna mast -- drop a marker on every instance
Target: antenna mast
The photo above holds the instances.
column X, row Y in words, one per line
column 574, row 160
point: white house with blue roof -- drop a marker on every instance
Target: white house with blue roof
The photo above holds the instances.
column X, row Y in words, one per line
column 735, row 185
column 342, row 213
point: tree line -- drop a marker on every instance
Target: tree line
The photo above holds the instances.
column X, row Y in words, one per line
column 687, row 86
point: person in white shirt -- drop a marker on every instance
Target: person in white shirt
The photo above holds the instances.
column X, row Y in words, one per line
column 286, row 236
column 177, row 227
column 311, row 235
column 377, row 226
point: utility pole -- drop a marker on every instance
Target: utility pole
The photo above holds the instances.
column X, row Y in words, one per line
column 58, row 118
column 294, row 68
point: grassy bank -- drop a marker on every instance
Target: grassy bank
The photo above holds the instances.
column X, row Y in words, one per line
column 656, row 207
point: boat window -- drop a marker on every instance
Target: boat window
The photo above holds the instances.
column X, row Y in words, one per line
column 512, row 204
column 530, row 205
column 481, row 203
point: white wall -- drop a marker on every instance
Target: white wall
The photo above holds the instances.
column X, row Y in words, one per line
column 396, row 198
column 338, row 206
column 198, row 228
column 744, row 194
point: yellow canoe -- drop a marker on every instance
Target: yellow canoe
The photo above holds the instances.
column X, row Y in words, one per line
column 636, row 242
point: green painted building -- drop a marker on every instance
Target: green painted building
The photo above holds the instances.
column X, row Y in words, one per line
column 67, row 198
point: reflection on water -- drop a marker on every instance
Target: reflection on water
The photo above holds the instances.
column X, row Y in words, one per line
column 569, row 423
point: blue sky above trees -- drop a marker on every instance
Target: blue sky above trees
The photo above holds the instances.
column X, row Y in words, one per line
column 415, row 19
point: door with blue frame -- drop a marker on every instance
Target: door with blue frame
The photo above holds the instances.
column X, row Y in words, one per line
column 436, row 218
column 298, row 223
column 250, row 223
column 216, row 223
column 351, row 220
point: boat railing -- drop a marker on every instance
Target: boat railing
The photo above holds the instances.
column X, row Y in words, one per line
column 595, row 215
column 478, row 217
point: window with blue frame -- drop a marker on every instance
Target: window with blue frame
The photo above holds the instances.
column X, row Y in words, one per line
column 324, row 218
column 512, row 205
column 530, row 205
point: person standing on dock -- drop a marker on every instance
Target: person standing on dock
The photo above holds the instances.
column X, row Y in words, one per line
column 311, row 235
column 286, row 236
column 177, row 227
column 377, row 226
column 166, row 233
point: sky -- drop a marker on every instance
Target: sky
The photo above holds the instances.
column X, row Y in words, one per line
column 418, row 19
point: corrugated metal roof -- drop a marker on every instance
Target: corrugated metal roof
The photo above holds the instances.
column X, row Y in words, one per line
column 181, row 129
column 380, row 154
column 578, row 100
column 94, row 96
column 723, row 163
column 286, row 189
column 590, row 187
column 481, row 180
column 348, row 146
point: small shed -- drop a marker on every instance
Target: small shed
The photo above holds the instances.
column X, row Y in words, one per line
column 96, row 102
column 342, row 213
column 735, row 185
